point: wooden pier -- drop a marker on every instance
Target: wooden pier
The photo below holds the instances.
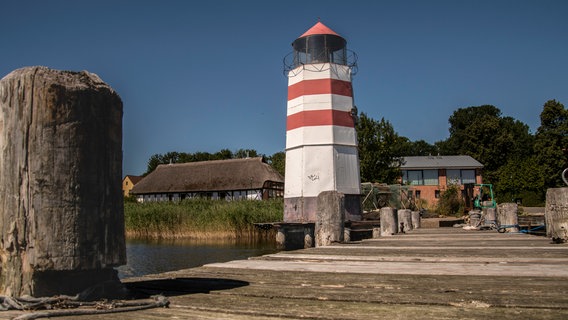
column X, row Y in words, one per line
column 441, row 273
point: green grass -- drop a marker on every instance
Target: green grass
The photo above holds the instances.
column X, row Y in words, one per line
column 201, row 218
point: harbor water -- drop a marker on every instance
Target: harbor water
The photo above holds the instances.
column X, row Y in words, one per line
column 156, row 256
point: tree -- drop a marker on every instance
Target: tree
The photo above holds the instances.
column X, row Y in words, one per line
column 246, row 153
column 483, row 134
column 157, row 159
column 224, row 154
column 379, row 159
column 521, row 178
column 460, row 122
column 278, row 162
column 153, row 163
column 183, row 157
column 409, row 148
column 551, row 142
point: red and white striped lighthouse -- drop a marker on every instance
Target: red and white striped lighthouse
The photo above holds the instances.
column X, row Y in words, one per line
column 321, row 142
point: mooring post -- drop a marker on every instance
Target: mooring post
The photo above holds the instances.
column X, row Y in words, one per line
column 491, row 215
column 416, row 219
column 404, row 220
column 389, row 221
column 556, row 214
column 330, row 218
column 61, row 205
column 508, row 216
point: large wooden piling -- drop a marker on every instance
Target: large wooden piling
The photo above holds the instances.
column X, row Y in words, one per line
column 61, row 206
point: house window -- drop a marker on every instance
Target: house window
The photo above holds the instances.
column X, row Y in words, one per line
column 414, row 177
column 437, row 194
column 457, row 176
column 468, row 176
column 417, row 194
column 420, row 177
column 430, row 177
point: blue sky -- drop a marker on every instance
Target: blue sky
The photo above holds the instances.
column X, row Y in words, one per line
column 207, row 75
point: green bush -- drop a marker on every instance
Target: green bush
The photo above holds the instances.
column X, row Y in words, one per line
column 451, row 202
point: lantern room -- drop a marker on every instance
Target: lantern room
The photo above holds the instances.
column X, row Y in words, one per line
column 319, row 45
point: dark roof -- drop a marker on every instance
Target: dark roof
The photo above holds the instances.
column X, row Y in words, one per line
column 440, row 162
column 216, row 175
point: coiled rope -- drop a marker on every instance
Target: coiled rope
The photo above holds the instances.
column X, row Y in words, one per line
column 61, row 306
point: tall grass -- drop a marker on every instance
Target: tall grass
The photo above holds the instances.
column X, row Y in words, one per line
column 202, row 219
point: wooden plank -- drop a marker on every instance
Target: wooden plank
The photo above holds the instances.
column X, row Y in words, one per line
column 451, row 277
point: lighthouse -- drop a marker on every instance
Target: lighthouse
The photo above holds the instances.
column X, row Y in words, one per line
column 321, row 141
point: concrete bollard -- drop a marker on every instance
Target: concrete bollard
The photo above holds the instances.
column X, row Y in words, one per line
column 376, row 233
column 474, row 218
column 280, row 239
column 490, row 216
column 330, row 218
column 346, row 234
column 415, row 215
column 61, row 203
column 308, row 237
column 556, row 214
column 389, row 222
column 404, row 220
column 508, row 216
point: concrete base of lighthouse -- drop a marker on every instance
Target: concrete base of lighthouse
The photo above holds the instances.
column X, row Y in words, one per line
column 317, row 221
column 304, row 209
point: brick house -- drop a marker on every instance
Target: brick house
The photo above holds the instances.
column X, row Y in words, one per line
column 430, row 175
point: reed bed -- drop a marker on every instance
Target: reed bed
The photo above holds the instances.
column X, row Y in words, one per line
column 202, row 219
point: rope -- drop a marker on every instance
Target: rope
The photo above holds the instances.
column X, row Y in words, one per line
column 68, row 302
column 533, row 229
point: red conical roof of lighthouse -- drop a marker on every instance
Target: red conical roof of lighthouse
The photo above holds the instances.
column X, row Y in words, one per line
column 319, row 28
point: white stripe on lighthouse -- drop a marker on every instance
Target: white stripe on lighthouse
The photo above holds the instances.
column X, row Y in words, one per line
column 321, row 135
column 320, row 102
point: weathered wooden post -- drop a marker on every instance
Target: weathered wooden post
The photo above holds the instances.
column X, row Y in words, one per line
column 389, row 221
column 556, row 214
column 330, row 218
column 508, row 216
column 61, row 206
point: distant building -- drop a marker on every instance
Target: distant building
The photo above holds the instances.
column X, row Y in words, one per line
column 128, row 183
column 430, row 175
column 233, row 179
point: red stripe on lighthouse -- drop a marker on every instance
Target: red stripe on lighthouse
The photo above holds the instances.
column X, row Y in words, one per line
column 319, row 118
column 320, row 86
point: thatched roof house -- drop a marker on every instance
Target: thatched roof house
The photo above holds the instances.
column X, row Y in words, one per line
column 249, row 178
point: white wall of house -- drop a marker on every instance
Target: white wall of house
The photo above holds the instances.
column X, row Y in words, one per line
column 255, row 194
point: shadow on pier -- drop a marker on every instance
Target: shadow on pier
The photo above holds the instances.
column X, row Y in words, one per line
column 180, row 286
